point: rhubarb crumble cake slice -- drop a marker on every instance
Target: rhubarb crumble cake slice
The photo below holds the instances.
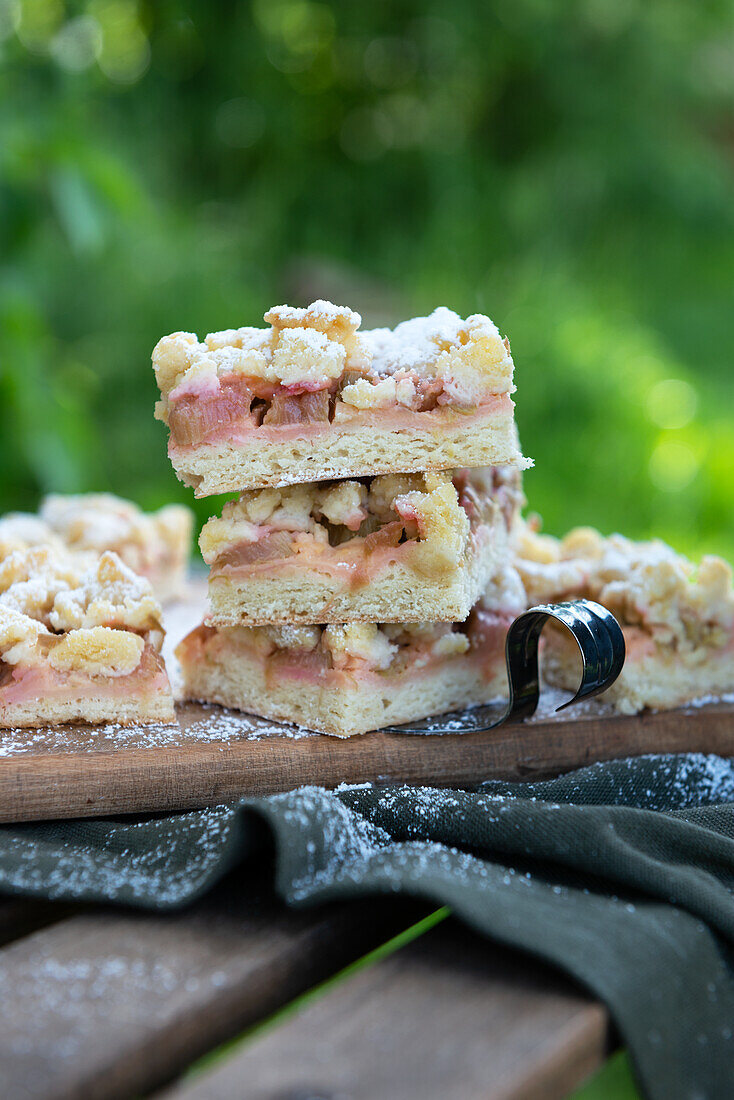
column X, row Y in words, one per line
column 677, row 618
column 310, row 398
column 353, row 677
column 155, row 545
column 79, row 642
column 391, row 548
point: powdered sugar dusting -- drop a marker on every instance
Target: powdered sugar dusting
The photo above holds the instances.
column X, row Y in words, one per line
column 103, row 866
column 415, row 343
column 482, row 715
column 210, row 724
column 682, row 780
column 222, row 724
column 708, row 700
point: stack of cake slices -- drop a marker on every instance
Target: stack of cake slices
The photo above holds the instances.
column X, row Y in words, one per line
column 363, row 576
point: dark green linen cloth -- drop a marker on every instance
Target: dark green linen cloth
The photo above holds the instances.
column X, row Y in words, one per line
column 622, row 874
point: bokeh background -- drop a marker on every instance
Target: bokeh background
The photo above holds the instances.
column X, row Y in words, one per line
column 566, row 168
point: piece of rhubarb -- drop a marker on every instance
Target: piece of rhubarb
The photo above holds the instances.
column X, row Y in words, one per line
column 192, row 418
column 302, row 408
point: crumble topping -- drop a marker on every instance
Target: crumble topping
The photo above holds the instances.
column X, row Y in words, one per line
column 55, row 608
column 432, row 639
column 246, row 338
column 644, row 584
column 294, row 637
column 421, row 364
column 364, row 394
column 358, row 642
column 173, row 356
column 90, row 523
column 387, row 489
column 108, row 592
column 546, row 575
column 19, row 636
column 100, row 651
column 306, row 347
column 465, row 356
column 101, row 521
column 19, row 530
column 355, row 646
column 337, row 322
column 424, row 507
column 31, row 579
column 97, row 651
column 345, row 504
column 304, row 356
column 506, row 593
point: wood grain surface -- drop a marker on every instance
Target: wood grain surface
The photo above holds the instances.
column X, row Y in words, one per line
column 110, row 1004
column 449, row 1017
column 216, row 756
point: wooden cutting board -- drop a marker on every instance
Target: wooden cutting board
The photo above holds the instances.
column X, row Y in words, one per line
column 215, row 755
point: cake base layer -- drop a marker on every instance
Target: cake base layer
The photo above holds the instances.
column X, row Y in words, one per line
column 95, row 711
column 289, row 594
column 335, row 702
column 340, row 451
column 43, row 696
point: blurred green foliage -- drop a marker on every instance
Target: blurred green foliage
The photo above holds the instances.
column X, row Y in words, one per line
column 566, row 168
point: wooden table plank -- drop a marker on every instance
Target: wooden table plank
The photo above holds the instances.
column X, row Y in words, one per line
column 110, row 1004
column 216, row 755
column 449, row 1016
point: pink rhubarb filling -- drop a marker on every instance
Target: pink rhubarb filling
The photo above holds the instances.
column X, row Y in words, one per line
column 486, row 631
column 357, row 561
column 21, row 685
column 237, row 410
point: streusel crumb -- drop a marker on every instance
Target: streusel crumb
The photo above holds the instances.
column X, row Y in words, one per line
column 309, row 348
column 426, row 504
column 98, row 651
column 64, row 592
column 645, row 584
column 155, row 545
column 107, row 593
column 19, row 635
column 19, row 530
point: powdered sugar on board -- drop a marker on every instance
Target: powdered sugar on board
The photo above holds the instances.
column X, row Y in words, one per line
column 481, row 716
column 211, row 724
column 218, row 727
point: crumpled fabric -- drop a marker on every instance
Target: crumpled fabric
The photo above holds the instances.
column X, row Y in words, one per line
column 621, row 874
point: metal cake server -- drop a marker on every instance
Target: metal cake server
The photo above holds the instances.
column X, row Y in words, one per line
column 601, row 644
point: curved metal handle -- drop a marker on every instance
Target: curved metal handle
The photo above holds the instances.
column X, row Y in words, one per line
column 601, row 644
